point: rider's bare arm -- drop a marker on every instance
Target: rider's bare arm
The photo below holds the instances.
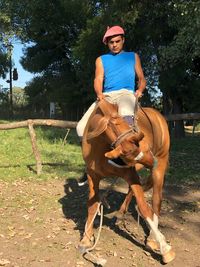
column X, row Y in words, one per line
column 98, row 80
column 140, row 75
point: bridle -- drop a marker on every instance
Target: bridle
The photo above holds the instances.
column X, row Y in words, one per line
column 127, row 133
column 121, row 137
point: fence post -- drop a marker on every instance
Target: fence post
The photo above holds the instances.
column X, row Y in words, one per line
column 34, row 147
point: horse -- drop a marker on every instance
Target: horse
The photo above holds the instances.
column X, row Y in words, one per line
column 108, row 136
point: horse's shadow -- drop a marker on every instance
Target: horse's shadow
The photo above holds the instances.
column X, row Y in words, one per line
column 74, row 203
column 74, row 207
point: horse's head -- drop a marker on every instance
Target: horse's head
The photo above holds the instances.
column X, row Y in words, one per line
column 125, row 143
column 122, row 138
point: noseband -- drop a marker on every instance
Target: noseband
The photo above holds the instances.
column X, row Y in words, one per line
column 121, row 137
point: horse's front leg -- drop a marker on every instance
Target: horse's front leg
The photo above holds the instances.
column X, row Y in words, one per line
column 93, row 206
column 147, row 213
column 158, row 174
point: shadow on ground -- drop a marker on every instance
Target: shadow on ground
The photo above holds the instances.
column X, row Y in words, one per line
column 74, row 207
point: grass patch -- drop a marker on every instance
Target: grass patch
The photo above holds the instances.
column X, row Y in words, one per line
column 184, row 159
column 64, row 161
column 60, row 160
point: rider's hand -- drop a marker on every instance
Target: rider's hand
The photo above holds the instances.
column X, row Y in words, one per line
column 138, row 93
column 100, row 97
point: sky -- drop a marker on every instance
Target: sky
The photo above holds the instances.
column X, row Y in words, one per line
column 23, row 75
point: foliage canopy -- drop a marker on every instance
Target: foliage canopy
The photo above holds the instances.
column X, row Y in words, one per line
column 64, row 38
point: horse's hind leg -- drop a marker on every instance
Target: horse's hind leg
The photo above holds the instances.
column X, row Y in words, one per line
column 93, row 205
column 119, row 214
column 125, row 205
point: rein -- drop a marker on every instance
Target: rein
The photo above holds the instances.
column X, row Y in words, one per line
column 148, row 121
column 121, row 137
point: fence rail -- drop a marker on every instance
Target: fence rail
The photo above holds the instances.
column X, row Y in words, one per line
column 37, row 122
column 71, row 124
column 184, row 116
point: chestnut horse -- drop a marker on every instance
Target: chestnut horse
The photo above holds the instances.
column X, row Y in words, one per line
column 108, row 136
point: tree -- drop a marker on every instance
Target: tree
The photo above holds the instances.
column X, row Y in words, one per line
column 4, row 63
column 63, row 46
column 165, row 32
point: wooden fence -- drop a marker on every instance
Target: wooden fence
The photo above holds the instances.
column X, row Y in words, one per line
column 194, row 117
column 184, row 116
column 69, row 125
column 37, row 122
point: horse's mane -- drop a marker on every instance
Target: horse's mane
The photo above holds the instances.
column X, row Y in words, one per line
column 100, row 117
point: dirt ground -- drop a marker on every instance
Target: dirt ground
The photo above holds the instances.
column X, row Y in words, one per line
column 41, row 224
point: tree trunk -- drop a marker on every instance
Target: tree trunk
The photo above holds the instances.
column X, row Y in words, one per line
column 179, row 131
column 167, row 110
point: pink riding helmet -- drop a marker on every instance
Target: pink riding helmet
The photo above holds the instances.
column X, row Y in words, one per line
column 115, row 30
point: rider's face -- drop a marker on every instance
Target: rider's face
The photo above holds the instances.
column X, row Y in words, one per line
column 115, row 44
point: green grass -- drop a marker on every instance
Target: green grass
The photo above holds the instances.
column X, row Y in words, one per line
column 184, row 159
column 64, row 161
column 60, row 160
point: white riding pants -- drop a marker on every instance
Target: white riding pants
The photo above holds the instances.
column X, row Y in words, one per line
column 125, row 100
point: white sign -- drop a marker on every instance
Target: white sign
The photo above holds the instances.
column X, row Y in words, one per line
column 52, row 109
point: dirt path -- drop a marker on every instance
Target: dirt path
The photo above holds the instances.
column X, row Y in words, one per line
column 41, row 224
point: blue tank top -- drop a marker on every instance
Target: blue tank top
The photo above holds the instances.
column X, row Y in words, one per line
column 119, row 71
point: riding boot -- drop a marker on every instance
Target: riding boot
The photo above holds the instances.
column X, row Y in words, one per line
column 118, row 162
column 82, row 180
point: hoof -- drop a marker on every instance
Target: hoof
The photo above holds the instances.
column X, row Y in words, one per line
column 85, row 243
column 169, row 256
column 152, row 244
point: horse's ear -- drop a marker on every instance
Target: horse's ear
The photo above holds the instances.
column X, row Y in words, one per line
column 136, row 137
column 115, row 153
